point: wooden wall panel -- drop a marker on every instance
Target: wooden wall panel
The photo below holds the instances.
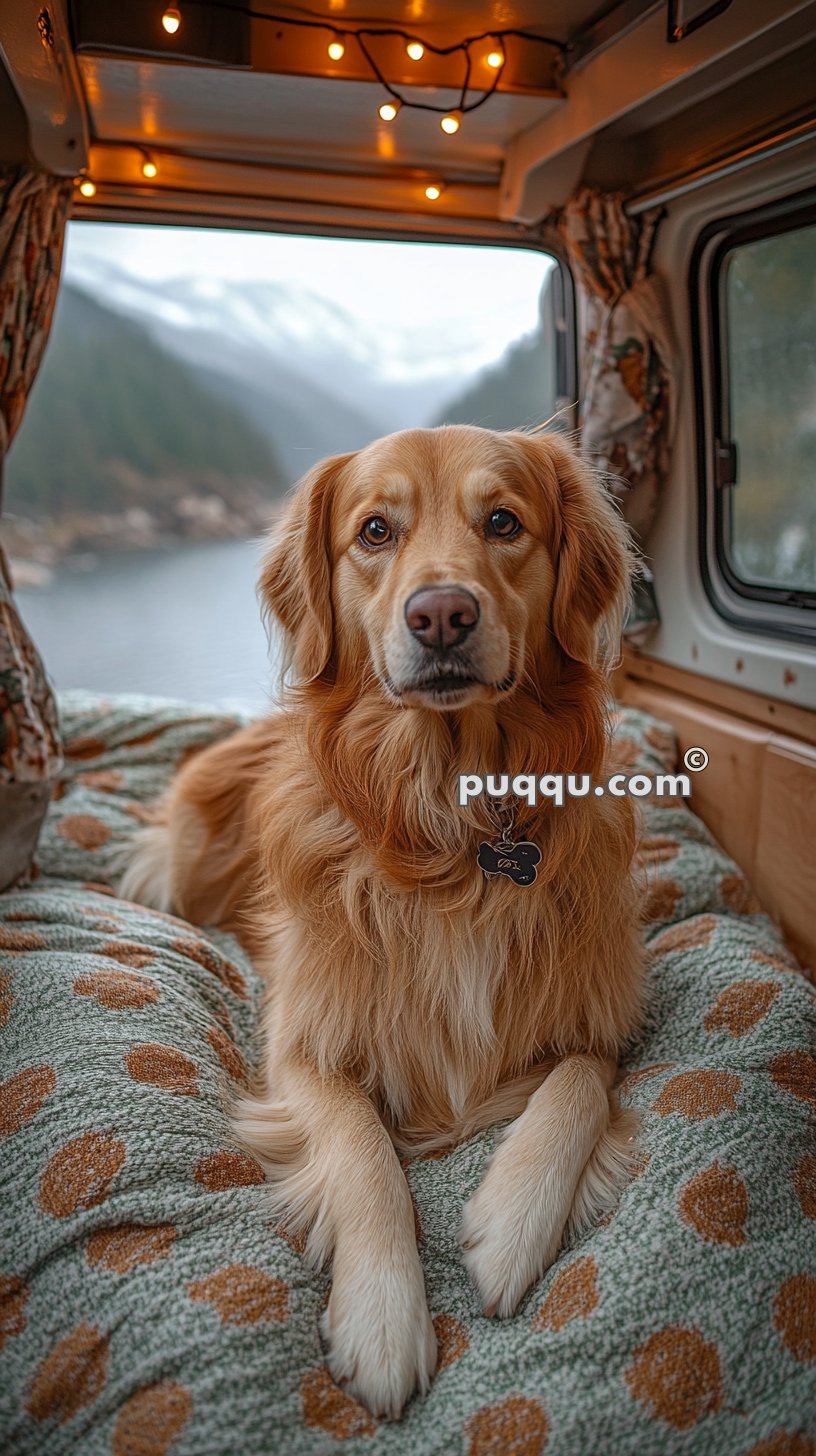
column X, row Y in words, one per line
column 757, row 796
column 785, row 854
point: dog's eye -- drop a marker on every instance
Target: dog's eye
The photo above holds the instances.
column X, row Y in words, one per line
column 375, row 532
column 503, row 524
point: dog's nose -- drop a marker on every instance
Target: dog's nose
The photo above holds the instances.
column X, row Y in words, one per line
column 441, row 616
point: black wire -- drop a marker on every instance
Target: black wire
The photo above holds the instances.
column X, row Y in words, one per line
column 463, row 97
column 474, row 105
column 372, row 31
column 355, row 20
column 379, row 75
column 364, row 33
column 464, row 107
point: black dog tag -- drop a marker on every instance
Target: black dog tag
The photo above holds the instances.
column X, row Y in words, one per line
column 517, row 861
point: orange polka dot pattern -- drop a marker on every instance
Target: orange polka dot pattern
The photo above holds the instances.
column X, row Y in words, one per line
column 151, row 1419
column 573, row 1295
column 242, row 1295
column 140, row 1226
column 715, row 1204
column 676, row 1376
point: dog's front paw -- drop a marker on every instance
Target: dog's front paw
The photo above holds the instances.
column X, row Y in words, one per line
column 381, row 1342
column 510, row 1232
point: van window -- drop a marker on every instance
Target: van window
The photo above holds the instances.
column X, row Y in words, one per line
column 192, row 376
column 768, row 321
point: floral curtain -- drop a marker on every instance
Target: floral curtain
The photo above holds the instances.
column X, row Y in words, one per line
column 629, row 365
column 33, row 210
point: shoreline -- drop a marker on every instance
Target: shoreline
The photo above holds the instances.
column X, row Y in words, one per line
column 37, row 548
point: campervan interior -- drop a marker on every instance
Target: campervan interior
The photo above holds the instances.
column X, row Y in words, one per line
column 235, row 120
column 645, row 175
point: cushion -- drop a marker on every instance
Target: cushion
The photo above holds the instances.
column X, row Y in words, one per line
column 148, row 1304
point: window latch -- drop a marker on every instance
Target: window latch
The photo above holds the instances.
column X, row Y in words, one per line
column 725, row 463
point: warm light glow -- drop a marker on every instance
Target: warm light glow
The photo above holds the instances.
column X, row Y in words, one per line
column 388, row 110
column 434, row 191
column 495, row 59
column 149, row 168
column 87, row 187
column 415, row 50
column 336, row 49
column 171, row 19
column 386, row 144
column 451, row 123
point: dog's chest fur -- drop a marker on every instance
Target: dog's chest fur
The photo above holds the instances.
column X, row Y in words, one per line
column 435, row 1006
column 434, row 994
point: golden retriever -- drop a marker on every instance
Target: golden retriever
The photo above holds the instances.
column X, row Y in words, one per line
column 448, row 598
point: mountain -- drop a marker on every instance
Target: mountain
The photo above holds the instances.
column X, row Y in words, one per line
column 520, row 389
column 517, row 392
column 309, row 376
column 298, row 341
column 302, row 422
column 315, row 378
column 199, row 383
column 115, row 422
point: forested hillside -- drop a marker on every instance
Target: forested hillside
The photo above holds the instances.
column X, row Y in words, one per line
column 517, row 391
column 116, row 422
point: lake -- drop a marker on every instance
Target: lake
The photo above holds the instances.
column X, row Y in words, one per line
column 181, row 622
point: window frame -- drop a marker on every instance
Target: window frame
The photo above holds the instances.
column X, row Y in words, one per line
column 775, row 611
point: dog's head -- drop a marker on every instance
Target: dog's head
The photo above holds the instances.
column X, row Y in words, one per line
column 454, row 562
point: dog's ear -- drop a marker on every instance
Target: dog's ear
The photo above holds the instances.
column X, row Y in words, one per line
column 295, row 580
column 593, row 555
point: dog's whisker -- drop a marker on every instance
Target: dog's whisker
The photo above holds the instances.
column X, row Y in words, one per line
column 506, row 683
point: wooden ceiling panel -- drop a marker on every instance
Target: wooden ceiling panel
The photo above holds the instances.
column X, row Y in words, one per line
column 288, row 120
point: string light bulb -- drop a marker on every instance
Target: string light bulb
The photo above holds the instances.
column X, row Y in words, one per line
column 415, row 50
column 495, row 58
column 434, row 191
column 87, row 187
column 171, row 19
column 451, row 123
column 388, row 110
column 149, row 168
column 337, row 49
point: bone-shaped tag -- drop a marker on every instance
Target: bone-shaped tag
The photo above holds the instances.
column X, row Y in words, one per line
column 516, row 861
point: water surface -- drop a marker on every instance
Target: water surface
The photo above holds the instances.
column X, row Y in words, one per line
column 183, row 622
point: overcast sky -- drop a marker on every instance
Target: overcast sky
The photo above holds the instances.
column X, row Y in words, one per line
column 452, row 289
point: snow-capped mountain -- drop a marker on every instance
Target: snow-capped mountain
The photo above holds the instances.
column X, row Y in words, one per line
column 306, row 371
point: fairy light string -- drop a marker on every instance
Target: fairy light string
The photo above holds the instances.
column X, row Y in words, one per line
column 171, row 20
column 415, row 47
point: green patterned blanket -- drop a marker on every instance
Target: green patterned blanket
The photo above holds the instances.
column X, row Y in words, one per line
column 147, row 1305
